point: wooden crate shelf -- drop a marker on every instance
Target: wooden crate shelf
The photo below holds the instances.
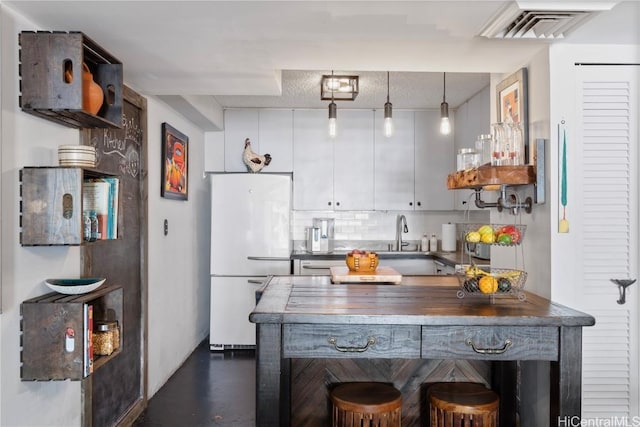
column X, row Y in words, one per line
column 51, row 205
column 491, row 175
column 45, row 320
column 45, row 58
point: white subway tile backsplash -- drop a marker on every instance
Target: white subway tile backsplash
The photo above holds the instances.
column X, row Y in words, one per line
column 380, row 225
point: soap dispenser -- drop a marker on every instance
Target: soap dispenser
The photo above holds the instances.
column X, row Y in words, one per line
column 424, row 244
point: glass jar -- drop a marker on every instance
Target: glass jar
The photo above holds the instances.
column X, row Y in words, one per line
column 86, row 226
column 483, row 148
column 93, row 217
column 467, row 158
column 106, row 338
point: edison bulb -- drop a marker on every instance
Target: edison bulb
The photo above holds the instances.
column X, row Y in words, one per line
column 445, row 126
column 388, row 127
column 332, row 127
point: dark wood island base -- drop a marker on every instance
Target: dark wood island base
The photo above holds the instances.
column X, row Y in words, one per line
column 410, row 335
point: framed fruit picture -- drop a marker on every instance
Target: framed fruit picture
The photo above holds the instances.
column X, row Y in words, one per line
column 175, row 163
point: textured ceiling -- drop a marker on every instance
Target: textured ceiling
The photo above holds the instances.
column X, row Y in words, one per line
column 411, row 90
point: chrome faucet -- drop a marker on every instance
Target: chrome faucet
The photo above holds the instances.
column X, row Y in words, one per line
column 401, row 227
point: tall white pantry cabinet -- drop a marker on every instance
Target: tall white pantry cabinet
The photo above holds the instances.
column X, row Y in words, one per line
column 598, row 105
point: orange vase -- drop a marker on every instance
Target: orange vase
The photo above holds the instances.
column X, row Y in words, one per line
column 92, row 95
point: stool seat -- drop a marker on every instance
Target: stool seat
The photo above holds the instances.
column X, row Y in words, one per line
column 366, row 404
column 463, row 404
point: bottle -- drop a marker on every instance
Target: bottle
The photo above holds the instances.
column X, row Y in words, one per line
column 94, row 226
column 425, row 243
column 86, row 231
column 433, row 243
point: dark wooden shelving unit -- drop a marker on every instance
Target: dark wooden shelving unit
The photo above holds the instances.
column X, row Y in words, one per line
column 51, row 205
column 45, row 58
column 45, row 321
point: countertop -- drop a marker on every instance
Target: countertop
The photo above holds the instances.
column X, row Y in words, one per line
column 418, row 300
column 448, row 258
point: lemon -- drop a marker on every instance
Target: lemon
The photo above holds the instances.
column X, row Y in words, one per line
column 485, row 229
column 473, row 237
column 487, row 238
column 488, row 284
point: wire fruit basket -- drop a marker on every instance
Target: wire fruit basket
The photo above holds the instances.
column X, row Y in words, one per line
column 494, row 234
column 490, row 281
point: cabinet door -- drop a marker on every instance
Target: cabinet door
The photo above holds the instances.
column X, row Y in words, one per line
column 353, row 161
column 276, row 138
column 394, row 164
column 312, row 161
column 603, row 211
column 434, row 160
column 238, row 126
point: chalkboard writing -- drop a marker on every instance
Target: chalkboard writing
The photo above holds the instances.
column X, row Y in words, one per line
column 124, row 143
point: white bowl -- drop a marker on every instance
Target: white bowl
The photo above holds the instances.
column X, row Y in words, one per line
column 75, row 286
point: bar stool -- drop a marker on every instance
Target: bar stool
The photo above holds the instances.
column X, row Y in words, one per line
column 462, row 405
column 366, row 404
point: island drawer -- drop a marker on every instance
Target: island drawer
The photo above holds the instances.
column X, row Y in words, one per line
column 490, row 342
column 366, row 341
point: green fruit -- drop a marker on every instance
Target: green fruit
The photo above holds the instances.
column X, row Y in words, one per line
column 504, row 284
column 504, row 239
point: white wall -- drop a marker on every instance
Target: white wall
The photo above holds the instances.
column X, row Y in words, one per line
column 534, row 254
column 28, row 141
column 179, row 262
column 177, row 268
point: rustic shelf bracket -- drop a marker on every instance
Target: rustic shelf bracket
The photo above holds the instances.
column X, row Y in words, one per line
column 504, row 201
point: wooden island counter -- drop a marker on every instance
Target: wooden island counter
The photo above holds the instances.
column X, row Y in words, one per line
column 420, row 320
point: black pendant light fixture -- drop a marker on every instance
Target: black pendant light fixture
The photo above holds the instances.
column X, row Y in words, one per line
column 333, row 114
column 388, row 121
column 445, row 125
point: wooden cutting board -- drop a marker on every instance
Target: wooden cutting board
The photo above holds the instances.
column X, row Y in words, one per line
column 381, row 275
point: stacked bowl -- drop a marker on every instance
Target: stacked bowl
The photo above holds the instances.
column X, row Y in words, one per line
column 77, row 155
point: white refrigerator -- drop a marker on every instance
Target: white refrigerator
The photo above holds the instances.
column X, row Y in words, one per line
column 250, row 239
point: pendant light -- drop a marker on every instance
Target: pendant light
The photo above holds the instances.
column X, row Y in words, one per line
column 445, row 125
column 388, row 121
column 333, row 114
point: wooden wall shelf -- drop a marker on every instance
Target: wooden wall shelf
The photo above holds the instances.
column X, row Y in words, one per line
column 45, row 320
column 491, row 175
column 51, row 86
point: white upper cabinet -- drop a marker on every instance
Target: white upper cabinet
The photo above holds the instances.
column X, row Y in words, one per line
column 434, row 161
column 270, row 131
column 333, row 174
column 394, row 164
column 238, row 126
column 276, row 138
column 353, row 161
column 312, row 161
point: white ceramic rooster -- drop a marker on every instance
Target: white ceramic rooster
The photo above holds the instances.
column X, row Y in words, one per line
column 255, row 162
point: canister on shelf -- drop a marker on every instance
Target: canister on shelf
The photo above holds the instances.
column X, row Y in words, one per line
column 483, row 148
column 467, row 158
column 106, row 338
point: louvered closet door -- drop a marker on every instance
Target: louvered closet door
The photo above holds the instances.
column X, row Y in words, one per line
column 607, row 161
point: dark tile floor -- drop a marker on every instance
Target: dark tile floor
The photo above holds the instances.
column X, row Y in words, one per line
column 209, row 389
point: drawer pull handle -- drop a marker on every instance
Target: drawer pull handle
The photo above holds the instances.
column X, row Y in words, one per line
column 334, row 342
column 507, row 344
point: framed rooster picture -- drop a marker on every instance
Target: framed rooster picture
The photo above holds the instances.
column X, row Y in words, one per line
column 175, row 163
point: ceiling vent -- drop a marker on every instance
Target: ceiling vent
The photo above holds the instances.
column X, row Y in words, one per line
column 541, row 20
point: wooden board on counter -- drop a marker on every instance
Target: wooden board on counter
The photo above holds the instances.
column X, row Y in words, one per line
column 491, row 175
column 381, row 275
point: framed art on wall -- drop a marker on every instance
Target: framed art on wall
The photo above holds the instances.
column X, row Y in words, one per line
column 175, row 163
column 512, row 100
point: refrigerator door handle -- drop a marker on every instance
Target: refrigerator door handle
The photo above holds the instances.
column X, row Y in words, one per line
column 268, row 258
